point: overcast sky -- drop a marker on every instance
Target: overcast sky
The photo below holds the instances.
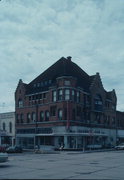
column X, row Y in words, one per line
column 34, row 34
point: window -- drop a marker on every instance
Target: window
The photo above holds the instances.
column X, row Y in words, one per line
column 54, row 96
column 33, row 97
column 73, row 95
column 78, row 111
column 10, row 127
column 67, row 83
column 29, row 98
column 98, row 104
column 41, row 116
column 67, row 94
column 60, row 114
column 47, row 115
column 33, row 116
column 17, row 118
column 41, row 84
column 38, row 84
column 4, row 126
column 40, row 96
column 97, row 117
column 78, row 96
column 50, row 81
column 20, row 103
column 60, row 94
column 21, row 118
column 34, row 85
column 45, row 83
column 44, row 95
column 53, row 110
column 28, row 118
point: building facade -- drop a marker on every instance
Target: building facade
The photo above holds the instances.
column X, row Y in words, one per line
column 120, row 127
column 7, row 128
column 65, row 106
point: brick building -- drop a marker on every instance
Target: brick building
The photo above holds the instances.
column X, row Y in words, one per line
column 65, row 106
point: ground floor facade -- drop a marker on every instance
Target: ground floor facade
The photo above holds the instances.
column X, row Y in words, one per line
column 73, row 138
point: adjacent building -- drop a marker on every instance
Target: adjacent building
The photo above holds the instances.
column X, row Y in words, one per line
column 7, row 128
column 65, row 106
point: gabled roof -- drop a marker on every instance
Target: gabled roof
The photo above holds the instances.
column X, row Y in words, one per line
column 63, row 67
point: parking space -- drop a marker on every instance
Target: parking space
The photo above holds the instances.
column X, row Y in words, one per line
column 64, row 165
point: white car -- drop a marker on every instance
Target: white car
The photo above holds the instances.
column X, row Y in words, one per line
column 3, row 157
column 120, row 146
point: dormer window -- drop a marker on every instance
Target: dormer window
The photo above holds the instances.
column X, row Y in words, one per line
column 38, row 84
column 34, row 85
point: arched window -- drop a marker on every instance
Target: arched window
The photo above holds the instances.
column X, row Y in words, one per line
column 60, row 114
column 10, row 127
column 41, row 116
column 47, row 115
column 4, row 126
column 33, row 116
column 28, row 118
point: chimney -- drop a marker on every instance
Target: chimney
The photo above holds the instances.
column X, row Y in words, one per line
column 69, row 58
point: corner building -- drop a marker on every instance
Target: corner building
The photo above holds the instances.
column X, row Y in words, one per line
column 65, row 106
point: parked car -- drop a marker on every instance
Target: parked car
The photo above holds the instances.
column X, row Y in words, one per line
column 120, row 146
column 14, row 149
column 3, row 157
column 2, row 148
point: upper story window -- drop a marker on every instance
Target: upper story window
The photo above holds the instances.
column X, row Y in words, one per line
column 28, row 118
column 20, row 103
column 67, row 94
column 54, row 96
column 53, row 110
column 45, row 83
column 73, row 95
column 50, row 81
column 47, row 115
column 60, row 94
column 98, row 103
column 34, row 85
column 17, row 118
column 38, row 84
column 4, row 126
column 10, row 127
column 42, row 84
column 41, row 116
column 60, row 114
column 21, row 118
column 67, row 83
column 98, row 99
column 78, row 96
column 44, row 95
column 33, row 116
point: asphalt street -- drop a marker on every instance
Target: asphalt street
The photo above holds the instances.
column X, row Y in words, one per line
column 64, row 165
